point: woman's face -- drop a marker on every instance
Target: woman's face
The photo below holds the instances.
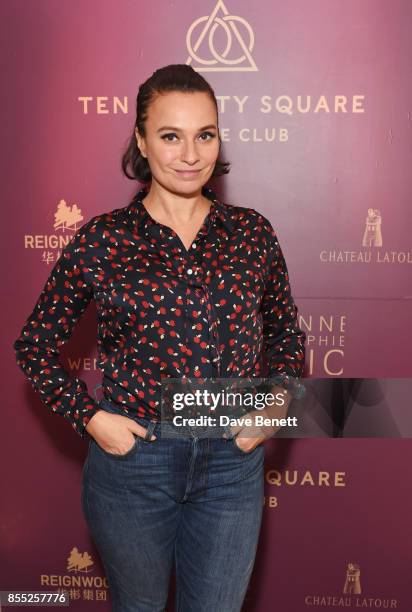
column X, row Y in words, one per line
column 181, row 142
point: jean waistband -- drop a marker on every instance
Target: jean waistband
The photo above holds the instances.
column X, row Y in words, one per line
column 167, row 429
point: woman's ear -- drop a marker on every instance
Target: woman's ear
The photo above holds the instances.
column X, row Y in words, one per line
column 139, row 141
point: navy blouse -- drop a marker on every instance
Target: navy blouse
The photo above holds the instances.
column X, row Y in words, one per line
column 214, row 310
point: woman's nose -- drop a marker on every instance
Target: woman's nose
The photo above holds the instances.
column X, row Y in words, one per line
column 189, row 153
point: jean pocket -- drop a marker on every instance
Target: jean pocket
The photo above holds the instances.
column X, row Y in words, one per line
column 131, row 450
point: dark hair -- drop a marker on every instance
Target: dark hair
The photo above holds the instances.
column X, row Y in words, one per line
column 174, row 77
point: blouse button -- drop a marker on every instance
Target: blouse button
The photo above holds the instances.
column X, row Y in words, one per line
column 194, row 245
column 190, row 271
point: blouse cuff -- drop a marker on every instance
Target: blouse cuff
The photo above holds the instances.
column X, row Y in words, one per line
column 291, row 383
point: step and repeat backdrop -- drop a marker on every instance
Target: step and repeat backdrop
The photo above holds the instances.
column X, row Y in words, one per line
column 315, row 118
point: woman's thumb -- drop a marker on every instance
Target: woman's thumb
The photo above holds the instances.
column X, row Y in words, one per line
column 142, row 431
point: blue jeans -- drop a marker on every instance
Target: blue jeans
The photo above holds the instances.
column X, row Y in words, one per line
column 190, row 500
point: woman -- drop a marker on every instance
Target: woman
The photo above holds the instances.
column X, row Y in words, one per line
column 186, row 287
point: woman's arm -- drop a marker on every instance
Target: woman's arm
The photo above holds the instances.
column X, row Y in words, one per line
column 284, row 341
column 284, row 346
column 60, row 305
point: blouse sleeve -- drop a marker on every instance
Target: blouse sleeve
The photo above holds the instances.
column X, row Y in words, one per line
column 284, row 341
column 60, row 305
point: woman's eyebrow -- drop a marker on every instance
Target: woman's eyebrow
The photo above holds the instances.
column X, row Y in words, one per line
column 176, row 129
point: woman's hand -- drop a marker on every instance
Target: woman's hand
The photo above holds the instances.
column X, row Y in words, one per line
column 248, row 443
column 253, row 435
column 114, row 432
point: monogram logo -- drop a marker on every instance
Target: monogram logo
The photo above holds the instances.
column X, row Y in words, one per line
column 236, row 34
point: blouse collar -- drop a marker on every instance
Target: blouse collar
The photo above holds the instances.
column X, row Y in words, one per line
column 137, row 213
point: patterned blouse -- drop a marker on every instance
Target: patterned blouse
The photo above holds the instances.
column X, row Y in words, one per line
column 216, row 310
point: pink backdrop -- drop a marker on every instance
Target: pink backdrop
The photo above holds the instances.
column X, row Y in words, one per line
column 315, row 174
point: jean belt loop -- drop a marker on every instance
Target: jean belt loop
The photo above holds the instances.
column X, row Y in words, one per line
column 150, row 429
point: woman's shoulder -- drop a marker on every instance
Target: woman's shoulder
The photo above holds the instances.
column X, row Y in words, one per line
column 95, row 229
column 248, row 217
column 106, row 219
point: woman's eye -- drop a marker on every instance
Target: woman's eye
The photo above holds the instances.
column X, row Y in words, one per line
column 208, row 134
column 169, row 137
column 166, row 136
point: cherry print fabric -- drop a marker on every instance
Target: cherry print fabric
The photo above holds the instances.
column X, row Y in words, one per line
column 162, row 310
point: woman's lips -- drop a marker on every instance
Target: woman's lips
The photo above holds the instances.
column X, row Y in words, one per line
column 187, row 173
